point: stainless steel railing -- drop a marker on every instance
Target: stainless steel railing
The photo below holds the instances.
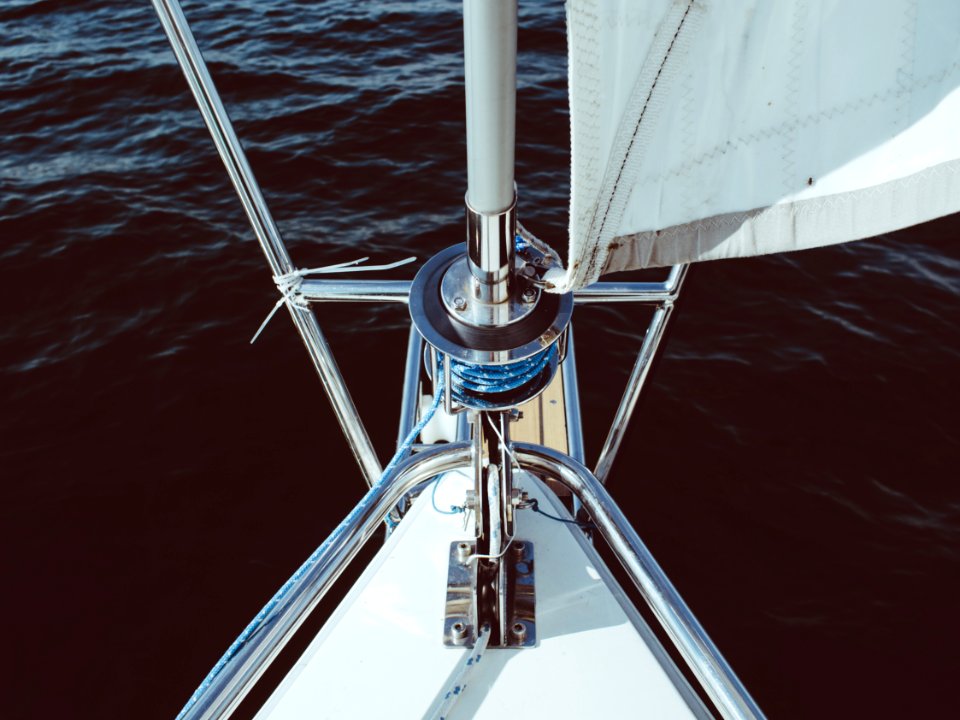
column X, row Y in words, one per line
column 703, row 658
column 238, row 675
column 231, row 152
column 225, row 690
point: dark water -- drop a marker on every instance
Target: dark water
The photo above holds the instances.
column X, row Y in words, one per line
column 794, row 467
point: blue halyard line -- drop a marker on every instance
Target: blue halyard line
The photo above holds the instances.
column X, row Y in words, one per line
column 454, row 509
column 492, row 379
column 254, row 624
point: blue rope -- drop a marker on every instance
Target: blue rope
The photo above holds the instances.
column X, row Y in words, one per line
column 254, row 625
column 417, row 429
column 470, row 382
column 454, row 509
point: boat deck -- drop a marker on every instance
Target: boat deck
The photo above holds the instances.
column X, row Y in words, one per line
column 594, row 656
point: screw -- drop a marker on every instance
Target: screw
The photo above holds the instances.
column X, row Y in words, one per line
column 519, row 631
column 459, row 632
column 459, row 303
column 463, row 552
column 529, row 295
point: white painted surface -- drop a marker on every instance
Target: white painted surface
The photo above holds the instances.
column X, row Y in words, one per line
column 381, row 653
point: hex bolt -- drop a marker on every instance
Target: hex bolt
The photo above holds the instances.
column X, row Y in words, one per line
column 529, row 295
column 459, row 303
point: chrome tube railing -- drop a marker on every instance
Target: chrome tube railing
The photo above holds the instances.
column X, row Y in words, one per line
column 571, row 401
column 703, row 658
column 231, row 152
column 222, row 693
column 396, row 291
column 411, row 385
column 633, row 292
column 638, row 375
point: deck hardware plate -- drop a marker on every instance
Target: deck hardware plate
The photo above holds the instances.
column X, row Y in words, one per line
column 460, row 615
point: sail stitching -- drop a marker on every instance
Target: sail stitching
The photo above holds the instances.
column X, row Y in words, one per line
column 788, row 140
column 631, row 140
column 643, row 112
column 584, row 83
column 908, row 42
column 893, row 94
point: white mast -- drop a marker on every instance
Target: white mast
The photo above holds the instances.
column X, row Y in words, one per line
column 490, row 78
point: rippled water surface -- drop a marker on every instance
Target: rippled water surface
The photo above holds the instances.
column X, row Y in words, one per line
column 794, row 465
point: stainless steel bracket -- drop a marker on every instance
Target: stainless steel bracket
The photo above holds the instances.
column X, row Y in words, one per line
column 460, row 614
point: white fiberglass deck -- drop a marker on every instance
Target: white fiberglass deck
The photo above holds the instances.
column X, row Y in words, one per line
column 381, row 653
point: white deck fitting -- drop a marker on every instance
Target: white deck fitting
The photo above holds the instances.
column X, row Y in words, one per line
column 381, row 654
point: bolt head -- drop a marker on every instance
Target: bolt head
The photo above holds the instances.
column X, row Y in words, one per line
column 529, row 295
column 459, row 303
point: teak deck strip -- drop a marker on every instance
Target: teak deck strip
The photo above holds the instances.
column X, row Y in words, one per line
column 543, row 421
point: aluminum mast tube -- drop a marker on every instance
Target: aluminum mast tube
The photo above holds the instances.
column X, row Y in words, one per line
column 490, row 78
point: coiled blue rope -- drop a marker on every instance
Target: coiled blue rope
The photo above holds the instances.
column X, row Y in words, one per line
column 470, row 383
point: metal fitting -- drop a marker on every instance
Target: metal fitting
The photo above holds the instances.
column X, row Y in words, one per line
column 490, row 250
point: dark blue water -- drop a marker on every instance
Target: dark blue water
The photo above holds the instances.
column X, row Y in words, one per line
column 794, row 466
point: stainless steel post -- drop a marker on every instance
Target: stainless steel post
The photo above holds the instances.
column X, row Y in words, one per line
column 490, row 80
column 638, row 376
column 571, row 400
column 411, row 385
column 215, row 116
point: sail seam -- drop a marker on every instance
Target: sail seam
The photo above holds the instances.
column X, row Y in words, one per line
column 866, row 212
column 643, row 112
column 788, row 139
column 905, row 72
column 630, row 141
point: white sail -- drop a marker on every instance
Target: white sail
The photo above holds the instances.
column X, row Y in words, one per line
column 704, row 129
